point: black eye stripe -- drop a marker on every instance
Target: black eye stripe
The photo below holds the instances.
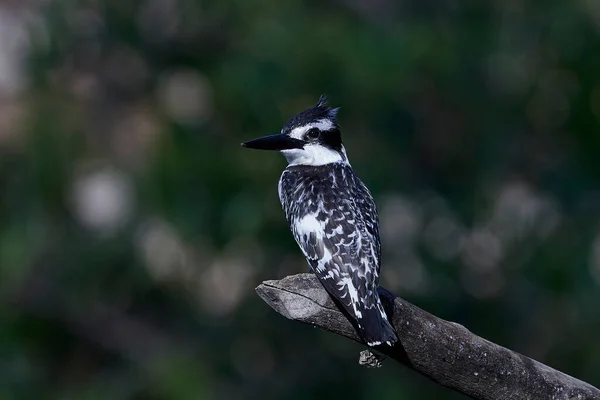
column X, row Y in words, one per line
column 332, row 138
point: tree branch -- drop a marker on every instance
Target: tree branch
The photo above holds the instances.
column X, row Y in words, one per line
column 443, row 351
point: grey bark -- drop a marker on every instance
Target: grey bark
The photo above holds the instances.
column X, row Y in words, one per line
column 443, row 351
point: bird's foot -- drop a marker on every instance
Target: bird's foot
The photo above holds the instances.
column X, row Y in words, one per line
column 369, row 359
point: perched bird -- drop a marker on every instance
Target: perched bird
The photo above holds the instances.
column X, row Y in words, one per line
column 332, row 216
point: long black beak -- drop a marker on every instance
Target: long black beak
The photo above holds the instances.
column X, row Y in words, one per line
column 274, row 142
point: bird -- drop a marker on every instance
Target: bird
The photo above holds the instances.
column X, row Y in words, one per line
column 332, row 216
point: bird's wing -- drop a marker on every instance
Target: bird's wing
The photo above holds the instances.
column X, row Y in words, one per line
column 363, row 202
column 342, row 247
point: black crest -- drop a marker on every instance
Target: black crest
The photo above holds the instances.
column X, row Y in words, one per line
column 320, row 111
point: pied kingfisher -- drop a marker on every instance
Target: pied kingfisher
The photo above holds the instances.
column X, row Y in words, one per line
column 332, row 216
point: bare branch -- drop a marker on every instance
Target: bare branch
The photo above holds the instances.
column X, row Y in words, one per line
column 444, row 351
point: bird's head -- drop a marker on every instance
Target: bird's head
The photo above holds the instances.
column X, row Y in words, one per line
column 309, row 138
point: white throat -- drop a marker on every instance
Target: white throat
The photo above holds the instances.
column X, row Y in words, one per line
column 314, row 154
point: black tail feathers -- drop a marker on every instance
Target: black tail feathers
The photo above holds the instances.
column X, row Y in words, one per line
column 375, row 329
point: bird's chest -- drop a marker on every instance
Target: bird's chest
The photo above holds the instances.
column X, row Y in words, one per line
column 309, row 191
column 316, row 202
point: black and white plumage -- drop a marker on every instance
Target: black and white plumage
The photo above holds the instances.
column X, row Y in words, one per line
column 332, row 216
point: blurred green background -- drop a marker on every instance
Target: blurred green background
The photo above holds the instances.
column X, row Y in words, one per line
column 133, row 228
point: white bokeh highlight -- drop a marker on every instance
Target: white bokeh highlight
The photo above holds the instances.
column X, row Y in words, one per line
column 102, row 200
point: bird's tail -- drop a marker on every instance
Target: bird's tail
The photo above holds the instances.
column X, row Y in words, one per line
column 374, row 327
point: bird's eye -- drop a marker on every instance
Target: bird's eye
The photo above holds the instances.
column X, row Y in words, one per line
column 312, row 133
